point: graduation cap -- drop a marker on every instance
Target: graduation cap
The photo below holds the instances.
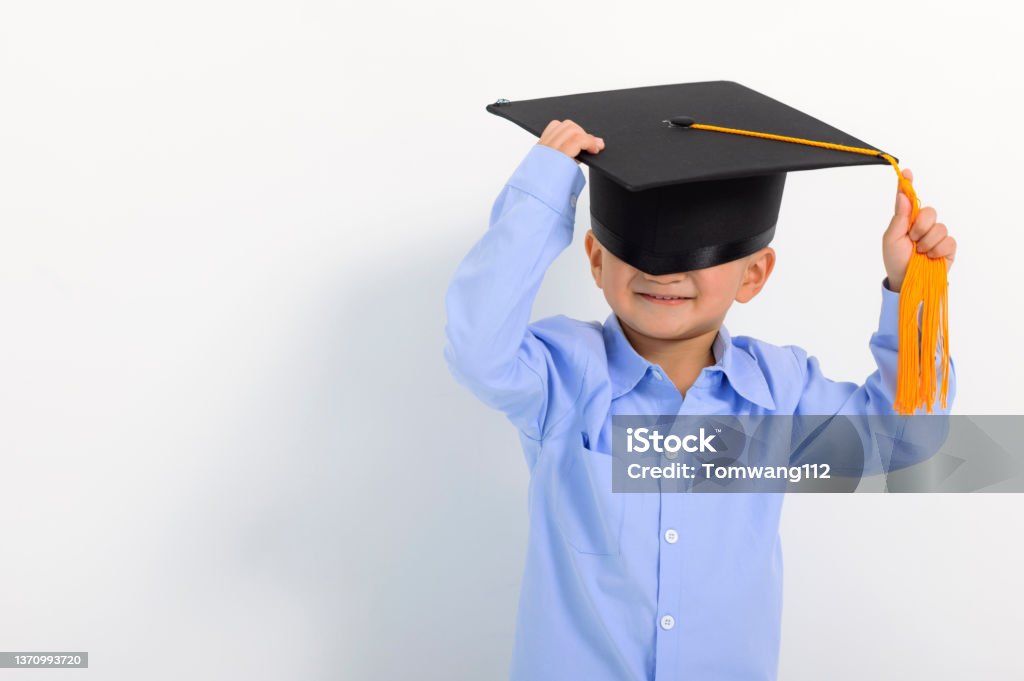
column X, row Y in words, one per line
column 692, row 176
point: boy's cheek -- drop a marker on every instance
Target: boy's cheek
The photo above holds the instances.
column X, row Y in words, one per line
column 618, row 300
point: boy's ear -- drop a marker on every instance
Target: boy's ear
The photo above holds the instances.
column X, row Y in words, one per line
column 759, row 267
column 594, row 253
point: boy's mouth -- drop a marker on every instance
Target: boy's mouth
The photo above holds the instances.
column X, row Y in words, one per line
column 664, row 300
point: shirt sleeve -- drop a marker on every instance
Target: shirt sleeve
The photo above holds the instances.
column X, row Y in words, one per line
column 876, row 395
column 490, row 348
column 887, row 440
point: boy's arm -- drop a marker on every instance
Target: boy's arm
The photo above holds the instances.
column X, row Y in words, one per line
column 887, row 441
column 876, row 396
column 490, row 348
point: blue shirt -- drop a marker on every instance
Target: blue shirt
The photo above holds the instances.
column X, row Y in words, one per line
column 628, row 586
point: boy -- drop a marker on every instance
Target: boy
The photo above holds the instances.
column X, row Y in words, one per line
column 643, row 586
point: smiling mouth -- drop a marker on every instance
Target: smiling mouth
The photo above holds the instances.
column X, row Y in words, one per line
column 664, row 300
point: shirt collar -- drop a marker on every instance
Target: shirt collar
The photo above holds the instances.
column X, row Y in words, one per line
column 626, row 367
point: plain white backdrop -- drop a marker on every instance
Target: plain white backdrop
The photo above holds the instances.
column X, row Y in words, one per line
column 229, row 446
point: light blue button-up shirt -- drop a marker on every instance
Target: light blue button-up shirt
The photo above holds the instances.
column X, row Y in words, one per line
column 629, row 586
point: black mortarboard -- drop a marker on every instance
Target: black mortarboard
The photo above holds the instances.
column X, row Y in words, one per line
column 666, row 196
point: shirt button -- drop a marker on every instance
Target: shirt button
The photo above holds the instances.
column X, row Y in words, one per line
column 667, row 622
column 656, row 374
column 671, row 536
column 572, row 200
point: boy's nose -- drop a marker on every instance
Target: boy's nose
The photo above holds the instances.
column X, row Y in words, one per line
column 665, row 278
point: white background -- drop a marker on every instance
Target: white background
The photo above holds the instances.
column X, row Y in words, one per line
column 229, row 446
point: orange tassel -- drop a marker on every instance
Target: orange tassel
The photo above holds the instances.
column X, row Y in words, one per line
column 925, row 288
column 924, row 292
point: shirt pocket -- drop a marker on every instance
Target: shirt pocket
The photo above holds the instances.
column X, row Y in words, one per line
column 588, row 513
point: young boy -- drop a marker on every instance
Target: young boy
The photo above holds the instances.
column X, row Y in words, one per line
column 642, row 586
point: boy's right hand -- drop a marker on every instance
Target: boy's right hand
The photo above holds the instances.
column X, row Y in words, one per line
column 570, row 139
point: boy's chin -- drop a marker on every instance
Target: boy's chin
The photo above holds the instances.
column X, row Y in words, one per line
column 665, row 327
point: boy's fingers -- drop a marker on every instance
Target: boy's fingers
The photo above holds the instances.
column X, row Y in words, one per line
column 932, row 237
column 559, row 131
column 555, row 130
column 570, row 138
column 592, row 144
column 944, row 249
column 900, row 223
column 564, row 139
column 579, row 140
column 899, row 192
column 902, row 204
column 923, row 223
column 952, row 256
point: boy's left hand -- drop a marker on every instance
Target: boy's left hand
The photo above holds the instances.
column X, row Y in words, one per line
column 900, row 238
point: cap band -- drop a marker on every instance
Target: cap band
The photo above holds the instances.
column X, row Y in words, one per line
column 684, row 261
